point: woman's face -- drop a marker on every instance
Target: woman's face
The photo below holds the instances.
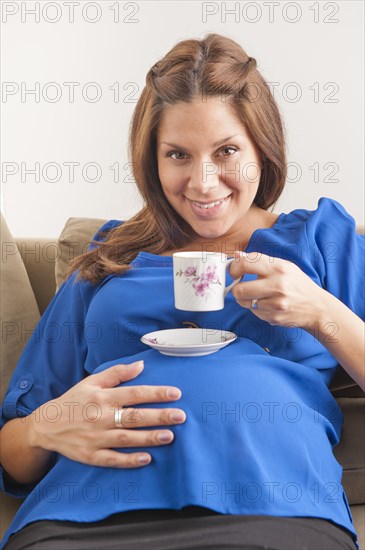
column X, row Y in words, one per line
column 205, row 155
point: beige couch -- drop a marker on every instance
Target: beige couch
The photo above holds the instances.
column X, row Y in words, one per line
column 32, row 270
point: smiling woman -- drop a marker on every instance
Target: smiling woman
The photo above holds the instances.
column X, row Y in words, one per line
column 206, row 128
column 251, row 449
column 211, row 185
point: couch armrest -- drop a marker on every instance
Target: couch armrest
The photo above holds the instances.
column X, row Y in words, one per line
column 39, row 257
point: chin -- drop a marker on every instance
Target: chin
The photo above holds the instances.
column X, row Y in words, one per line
column 206, row 234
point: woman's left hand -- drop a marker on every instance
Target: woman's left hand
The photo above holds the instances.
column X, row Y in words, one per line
column 285, row 294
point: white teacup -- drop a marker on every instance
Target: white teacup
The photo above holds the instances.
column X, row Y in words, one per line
column 200, row 280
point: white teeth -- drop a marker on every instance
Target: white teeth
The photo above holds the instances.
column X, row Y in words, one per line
column 211, row 205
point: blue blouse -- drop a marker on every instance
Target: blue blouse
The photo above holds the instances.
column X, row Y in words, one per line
column 261, row 421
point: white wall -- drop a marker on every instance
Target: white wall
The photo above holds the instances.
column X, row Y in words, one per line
column 321, row 53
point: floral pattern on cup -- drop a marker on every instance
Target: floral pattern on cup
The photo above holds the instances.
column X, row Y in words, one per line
column 201, row 283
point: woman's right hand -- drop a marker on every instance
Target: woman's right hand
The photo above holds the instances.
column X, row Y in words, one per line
column 80, row 423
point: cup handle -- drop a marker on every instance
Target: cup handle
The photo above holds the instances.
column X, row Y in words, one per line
column 229, row 287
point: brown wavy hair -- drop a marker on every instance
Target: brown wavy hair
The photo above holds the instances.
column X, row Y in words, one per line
column 213, row 66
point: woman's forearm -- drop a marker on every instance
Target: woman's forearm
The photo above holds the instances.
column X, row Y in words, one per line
column 342, row 332
column 20, row 456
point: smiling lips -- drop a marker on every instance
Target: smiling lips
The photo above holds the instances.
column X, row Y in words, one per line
column 207, row 209
column 208, row 205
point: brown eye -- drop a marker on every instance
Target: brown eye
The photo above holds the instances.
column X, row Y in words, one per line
column 228, row 147
column 170, row 153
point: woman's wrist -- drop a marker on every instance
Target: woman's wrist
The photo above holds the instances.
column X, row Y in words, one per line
column 320, row 308
column 22, row 455
column 36, row 432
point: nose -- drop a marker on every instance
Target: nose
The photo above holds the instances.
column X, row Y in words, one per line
column 204, row 177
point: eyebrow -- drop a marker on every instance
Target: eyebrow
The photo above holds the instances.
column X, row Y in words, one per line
column 219, row 142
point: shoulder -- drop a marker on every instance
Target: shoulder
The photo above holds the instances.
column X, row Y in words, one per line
column 104, row 230
column 314, row 238
column 329, row 210
column 72, row 287
column 325, row 207
column 329, row 216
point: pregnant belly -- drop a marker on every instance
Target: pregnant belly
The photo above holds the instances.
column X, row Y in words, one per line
column 239, row 399
column 254, row 431
column 254, row 441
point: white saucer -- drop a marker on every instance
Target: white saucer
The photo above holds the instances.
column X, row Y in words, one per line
column 188, row 342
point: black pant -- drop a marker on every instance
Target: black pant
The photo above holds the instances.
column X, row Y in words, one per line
column 192, row 528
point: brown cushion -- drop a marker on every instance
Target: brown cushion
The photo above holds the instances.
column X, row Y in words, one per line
column 350, row 452
column 39, row 256
column 73, row 241
column 343, row 385
column 18, row 306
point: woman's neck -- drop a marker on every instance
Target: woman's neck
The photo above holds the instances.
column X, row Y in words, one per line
column 259, row 219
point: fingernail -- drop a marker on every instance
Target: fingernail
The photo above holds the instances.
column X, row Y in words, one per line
column 144, row 459
column 164, row 437
column 178, row 416
column 239, row 253
column 138, row 363
column 173, row 393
